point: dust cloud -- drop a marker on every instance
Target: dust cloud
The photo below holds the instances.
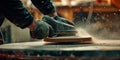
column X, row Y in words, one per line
column 101, row 25
column 99, row 34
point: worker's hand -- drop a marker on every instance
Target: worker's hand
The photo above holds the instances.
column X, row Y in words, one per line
column 42, row 30
column 63, row 20
column 59, row 26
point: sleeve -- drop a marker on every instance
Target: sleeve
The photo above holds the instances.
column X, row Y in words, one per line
column 45, row 6
column 17, row 13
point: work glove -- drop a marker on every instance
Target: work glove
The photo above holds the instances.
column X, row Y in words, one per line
column 63, row 20
column 42, row 30
column 59, row 26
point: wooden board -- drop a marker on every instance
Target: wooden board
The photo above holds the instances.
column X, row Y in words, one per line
column 69, row 39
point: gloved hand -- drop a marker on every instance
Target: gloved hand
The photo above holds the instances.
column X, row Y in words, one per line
column 42, row 30
column 63, row 20
column 59, row 26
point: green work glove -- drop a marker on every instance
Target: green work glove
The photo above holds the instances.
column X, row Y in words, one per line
column 63, row 20
column 58, row 26
column 42, row 30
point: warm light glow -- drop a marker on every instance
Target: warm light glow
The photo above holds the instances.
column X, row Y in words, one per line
column 109, row 2
column 65, row 2
column 104, row 2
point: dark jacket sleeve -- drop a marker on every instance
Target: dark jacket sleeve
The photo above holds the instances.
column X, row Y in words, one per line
column 45, row 6
column 17, row 13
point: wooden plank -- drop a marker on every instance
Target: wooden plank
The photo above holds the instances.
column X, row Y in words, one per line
column 69, row 39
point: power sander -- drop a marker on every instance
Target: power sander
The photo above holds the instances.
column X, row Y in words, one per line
column 64, row 32
column 60, row 28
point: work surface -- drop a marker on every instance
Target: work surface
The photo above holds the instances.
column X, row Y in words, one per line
column 42, row 45
column 103, row 48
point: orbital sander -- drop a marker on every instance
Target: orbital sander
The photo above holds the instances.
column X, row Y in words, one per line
column 64, row 32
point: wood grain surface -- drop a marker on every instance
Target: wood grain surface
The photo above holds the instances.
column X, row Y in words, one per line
column 69, row 39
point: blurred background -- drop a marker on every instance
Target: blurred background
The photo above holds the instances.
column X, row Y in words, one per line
column 99, row 18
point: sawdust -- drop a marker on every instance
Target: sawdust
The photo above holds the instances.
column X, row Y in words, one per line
column 83, row 33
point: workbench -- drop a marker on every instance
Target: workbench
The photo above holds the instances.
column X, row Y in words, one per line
column 47, row 50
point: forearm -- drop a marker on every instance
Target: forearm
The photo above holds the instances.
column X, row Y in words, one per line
column 45, row 6
column 17, row 13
